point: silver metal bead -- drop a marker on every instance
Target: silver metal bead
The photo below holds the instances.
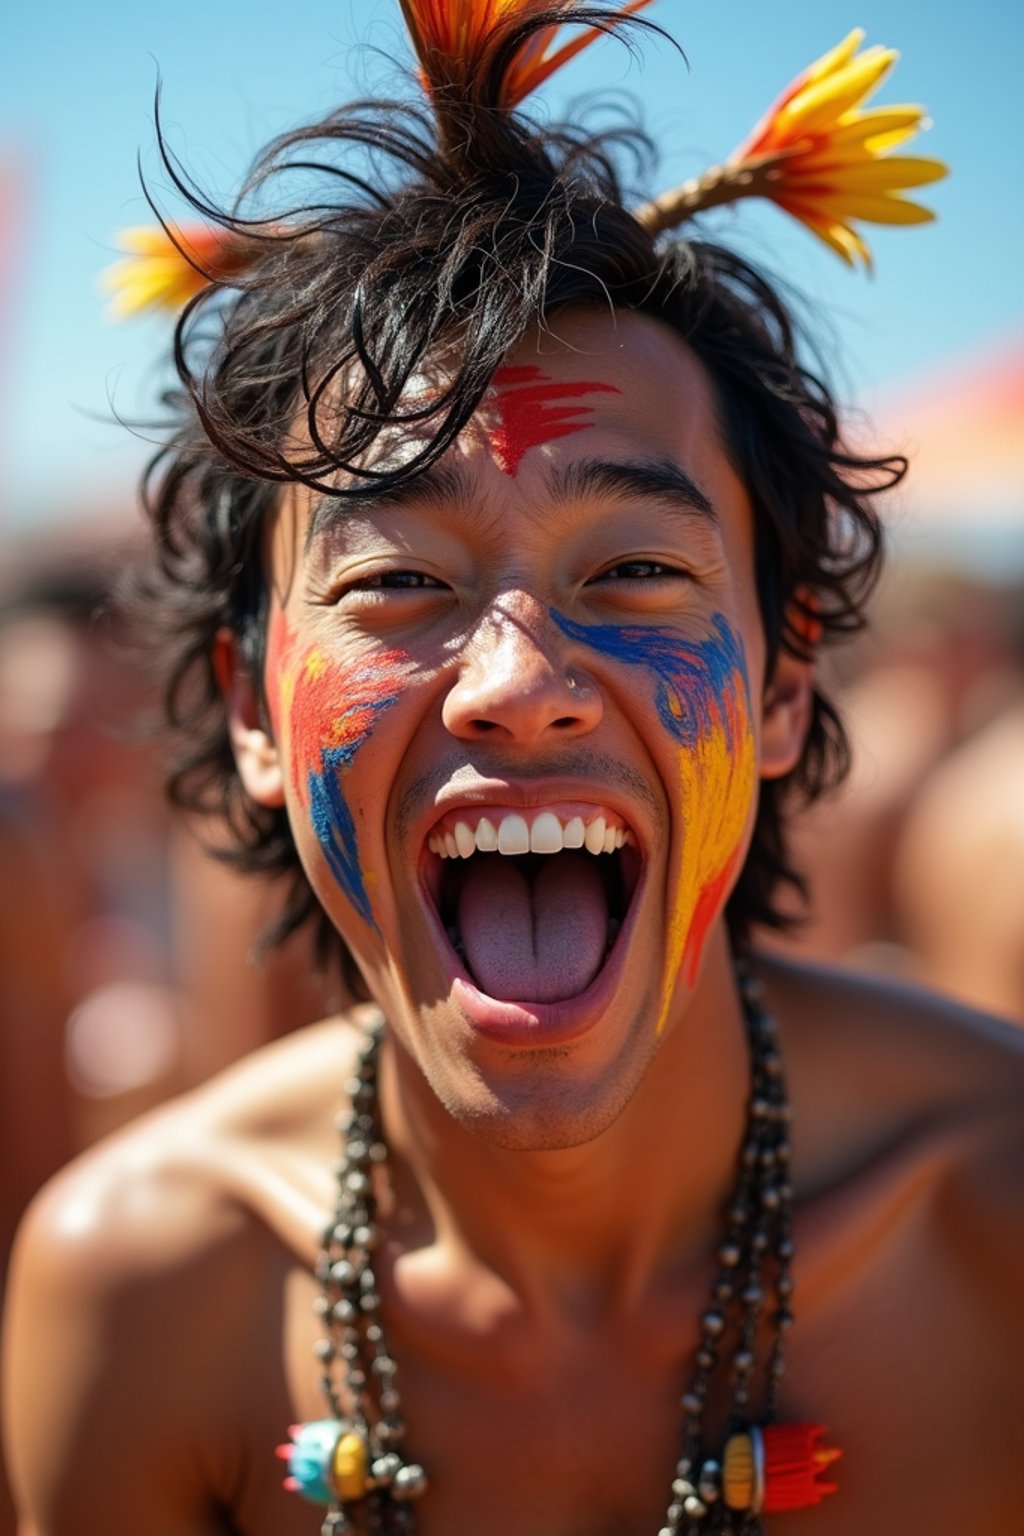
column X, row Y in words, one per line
column 383, row 1469
column 712, row 1323
column 409, row 1482
column 695, row 1507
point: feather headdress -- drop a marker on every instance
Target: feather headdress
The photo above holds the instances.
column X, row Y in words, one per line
column 817, row 153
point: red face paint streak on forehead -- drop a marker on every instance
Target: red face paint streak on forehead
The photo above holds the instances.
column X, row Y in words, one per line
column 529, row 415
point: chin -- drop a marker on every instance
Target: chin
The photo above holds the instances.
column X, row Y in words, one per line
column 545, row 1098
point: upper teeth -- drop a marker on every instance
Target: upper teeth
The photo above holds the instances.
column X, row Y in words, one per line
column 547, row 833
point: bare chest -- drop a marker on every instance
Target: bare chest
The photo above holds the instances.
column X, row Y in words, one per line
column 581, row 1438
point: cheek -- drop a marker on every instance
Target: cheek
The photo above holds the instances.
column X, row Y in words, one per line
column 717, row 774
column 329, row 710
column 702, row 696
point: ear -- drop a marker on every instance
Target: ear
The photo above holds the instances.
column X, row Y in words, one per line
column 259, row 765
column 786, row 714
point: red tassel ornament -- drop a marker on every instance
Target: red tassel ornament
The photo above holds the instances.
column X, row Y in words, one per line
column 777, row 1468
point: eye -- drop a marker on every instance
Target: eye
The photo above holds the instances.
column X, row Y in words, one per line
column 641, row 570
column 395, row 581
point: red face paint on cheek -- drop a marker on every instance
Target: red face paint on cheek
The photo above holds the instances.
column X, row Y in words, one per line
column 532, row 409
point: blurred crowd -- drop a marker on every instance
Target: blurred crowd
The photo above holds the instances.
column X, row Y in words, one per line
column 128, row 966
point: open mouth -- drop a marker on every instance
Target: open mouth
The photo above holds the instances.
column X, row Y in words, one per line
column 532, row 901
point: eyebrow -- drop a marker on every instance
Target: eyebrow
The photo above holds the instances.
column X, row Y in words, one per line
column 633, row 480
column 446, row 486
column 439, row 485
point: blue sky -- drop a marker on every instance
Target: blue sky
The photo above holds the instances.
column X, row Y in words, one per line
column 76, row 93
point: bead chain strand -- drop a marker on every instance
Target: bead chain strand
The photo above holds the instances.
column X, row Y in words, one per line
column 758, row 1231
column 758, row 1236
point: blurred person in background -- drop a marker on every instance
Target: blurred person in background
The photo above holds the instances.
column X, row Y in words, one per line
column 914, row 864
column 127, row 954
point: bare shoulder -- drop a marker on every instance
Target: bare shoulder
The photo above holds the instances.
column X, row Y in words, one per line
column 891, row 1048
column 187, row 1177
column 887, row 1073
column 148, row 1253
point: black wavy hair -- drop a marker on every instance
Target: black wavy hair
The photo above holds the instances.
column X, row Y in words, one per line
column 456, row 233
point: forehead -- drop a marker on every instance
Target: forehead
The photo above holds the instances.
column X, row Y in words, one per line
column 590, row 387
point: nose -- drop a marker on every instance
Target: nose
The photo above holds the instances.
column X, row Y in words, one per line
column 515, row 683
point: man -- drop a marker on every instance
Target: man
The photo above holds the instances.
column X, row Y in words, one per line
column 495, row 546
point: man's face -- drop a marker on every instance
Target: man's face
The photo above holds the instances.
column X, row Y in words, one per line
column 517, row 716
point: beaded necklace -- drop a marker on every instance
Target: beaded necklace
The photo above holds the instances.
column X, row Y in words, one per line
column 353, row 1461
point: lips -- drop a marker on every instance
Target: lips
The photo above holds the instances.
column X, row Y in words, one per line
column 530, row 903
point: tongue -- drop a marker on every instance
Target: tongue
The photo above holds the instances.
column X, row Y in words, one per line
column 534, row 942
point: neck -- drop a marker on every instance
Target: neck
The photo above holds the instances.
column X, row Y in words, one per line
column 600, row 1224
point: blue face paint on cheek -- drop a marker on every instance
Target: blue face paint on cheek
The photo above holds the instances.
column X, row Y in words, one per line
column 693, row 677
